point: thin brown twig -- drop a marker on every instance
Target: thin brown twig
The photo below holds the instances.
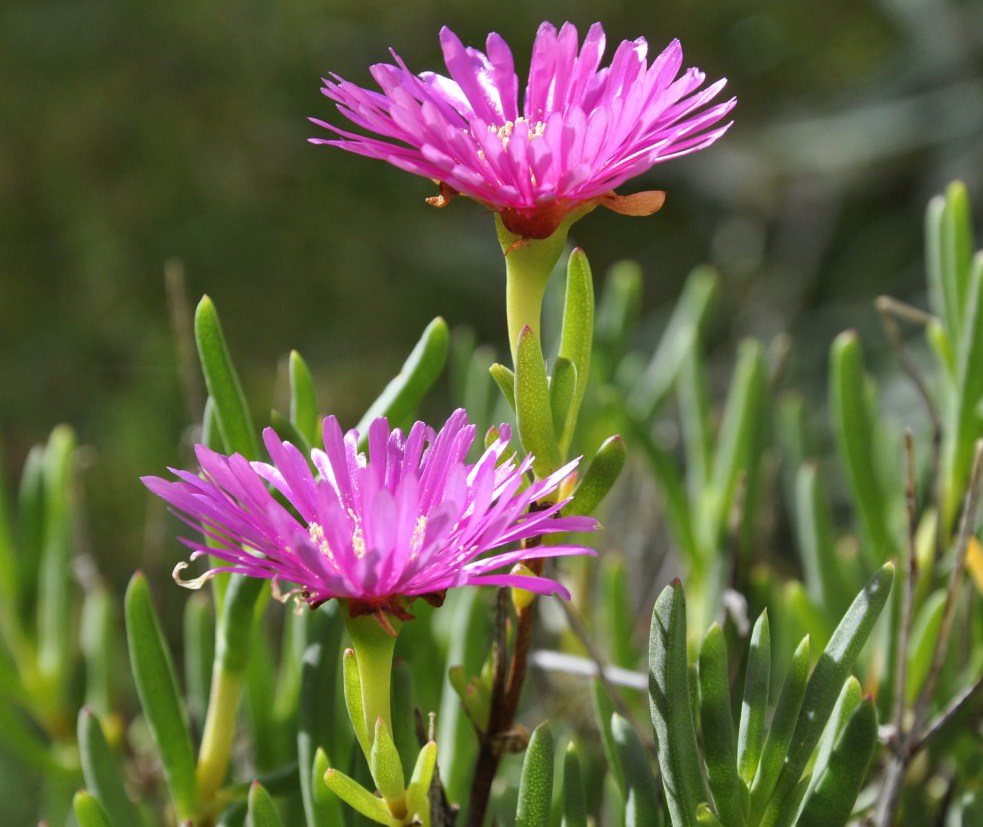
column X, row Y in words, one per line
column 955, row 706
column 500, row 717
column 955, row 581
column 890, row 797
column 908, row 600
column 888, row 309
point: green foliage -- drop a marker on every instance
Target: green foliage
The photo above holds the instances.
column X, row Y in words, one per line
column 770, row 766
column 156, row 685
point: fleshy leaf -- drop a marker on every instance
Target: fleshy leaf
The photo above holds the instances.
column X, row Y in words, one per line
column 831, row 800
column 574, row 805
column 642, row 806
column 505, row 379
column 102, row 774
column 156, row 684
column 234, row 419
column 717, row 728
column 386, row 767
column 262, row 812
column 89, row 812
column 751, row 733
column 600, row 476
column 536, row 781
column 780, row 730
column 826, row 682
column 359, row 798
column 577, row 335
column 853, row 428
column 691, row 311
column 563, row 386
column 303, row 399
column 533, row 412
column 672, row 715
column 406, row 390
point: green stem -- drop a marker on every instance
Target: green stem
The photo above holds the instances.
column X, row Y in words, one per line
column 374, row 648
column 232, row 649
column 219, row 731
column 528, row 265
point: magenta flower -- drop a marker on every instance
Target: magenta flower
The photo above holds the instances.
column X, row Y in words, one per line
column 412, row 519
column 581, row 132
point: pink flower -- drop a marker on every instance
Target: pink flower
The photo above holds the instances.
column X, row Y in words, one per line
column 581, row 132
column 411, row 519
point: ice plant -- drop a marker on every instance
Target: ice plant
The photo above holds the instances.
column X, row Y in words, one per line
column 411, row 519
column 581, row 131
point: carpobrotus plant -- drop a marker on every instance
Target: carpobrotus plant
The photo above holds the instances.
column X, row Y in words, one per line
column 365, row 528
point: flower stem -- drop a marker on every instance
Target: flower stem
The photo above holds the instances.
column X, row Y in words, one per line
column 528, row 264
column 374, row 648
column 219, row 731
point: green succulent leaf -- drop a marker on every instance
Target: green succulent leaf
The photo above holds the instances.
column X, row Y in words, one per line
column 923, row 642
column 619, row 308
column 780, row 731
column 577, row 336
column 706, row 817
column 359, row 798
column 750, row 737
column 831, row 800
column 848, row 700
column 199, row 653
column 156, row 684
column 325, row 809
column 717, row 728
column 853, row 429
column 56, row 604
column 826, row 683
column 642, row 806
column 231, row 409
column 89, row 812
column 98, row 641
column 533, row 411
column 734, row 452
column 688, row 318
column 574, row 805
column 101, row 772
column 385, row 765
column 672, row 715
column 418, row 789
column 536, row 781
column 262, row 810
column 602, row 473
column 816, row 541
column 353, row 699
column 505, row 379
column 400, row 398
column 303, row 398
column 604, row 711
column 563, row 386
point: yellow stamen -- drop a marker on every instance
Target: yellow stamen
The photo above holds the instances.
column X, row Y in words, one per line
column 316, row 531
column 505, row 131
column 419, row 532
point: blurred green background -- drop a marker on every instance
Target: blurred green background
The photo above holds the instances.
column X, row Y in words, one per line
column 135, row 133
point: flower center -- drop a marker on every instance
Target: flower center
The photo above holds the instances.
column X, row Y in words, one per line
column 316, row 532
column 504, row 132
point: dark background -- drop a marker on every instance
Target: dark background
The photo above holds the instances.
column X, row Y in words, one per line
column 133, row 133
